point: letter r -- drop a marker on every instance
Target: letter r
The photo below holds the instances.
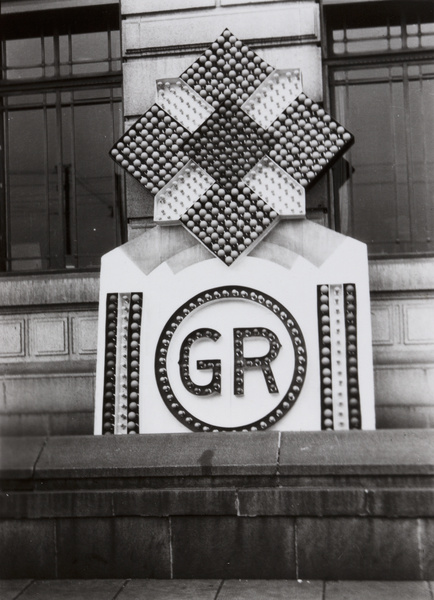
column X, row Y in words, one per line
column 261, row 362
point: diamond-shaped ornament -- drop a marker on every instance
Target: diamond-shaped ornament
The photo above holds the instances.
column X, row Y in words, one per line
column 229, row 146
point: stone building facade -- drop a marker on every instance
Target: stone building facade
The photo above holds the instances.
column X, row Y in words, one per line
column 69, row 66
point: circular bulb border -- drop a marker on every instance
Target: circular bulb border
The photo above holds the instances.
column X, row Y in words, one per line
column 223, row 293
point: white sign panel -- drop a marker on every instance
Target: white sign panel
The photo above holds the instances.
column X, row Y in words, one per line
column 202, row 347
column 241, row 316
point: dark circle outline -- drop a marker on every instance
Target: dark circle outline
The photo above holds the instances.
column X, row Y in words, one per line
column 174, row 322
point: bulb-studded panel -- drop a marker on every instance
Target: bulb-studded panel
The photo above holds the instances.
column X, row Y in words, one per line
column 227, row 70
column 229, row 111
column 122, row 358
column 151, row 149
column 337, row 322
column 229, row 223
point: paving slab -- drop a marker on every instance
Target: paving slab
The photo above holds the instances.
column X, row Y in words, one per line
column 377, row 590
column 72, row 589
column 174, row 589
column 276, row 589
column 209, row 589
column 10, row 588
column 359, row 549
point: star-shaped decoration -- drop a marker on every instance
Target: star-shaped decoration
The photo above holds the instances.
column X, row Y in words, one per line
column 230, row 146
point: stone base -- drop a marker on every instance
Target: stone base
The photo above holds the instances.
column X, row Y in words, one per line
column 347, row 505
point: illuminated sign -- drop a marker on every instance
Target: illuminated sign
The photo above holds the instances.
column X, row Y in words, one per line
column 242, row 315
column 229, row 146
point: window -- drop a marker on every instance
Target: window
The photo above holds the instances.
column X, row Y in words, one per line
column 61, row 113
column 380, row 62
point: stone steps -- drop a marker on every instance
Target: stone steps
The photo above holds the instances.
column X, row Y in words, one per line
column 303, row 505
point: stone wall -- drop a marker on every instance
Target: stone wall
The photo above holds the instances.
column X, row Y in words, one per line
column 48, row 335
column 48, row 323
column 402, row 312
column 336, row 505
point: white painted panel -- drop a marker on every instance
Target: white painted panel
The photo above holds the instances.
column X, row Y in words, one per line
column 169, row 269
column 273, row 96
column 281, row 191
column 182, row 103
